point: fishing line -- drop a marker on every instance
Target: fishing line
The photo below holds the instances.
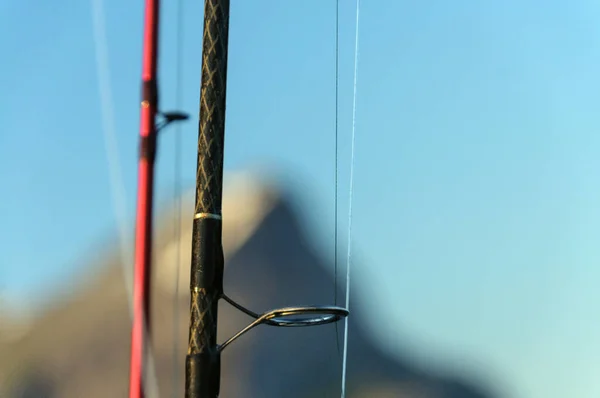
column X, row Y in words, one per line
column 335, row 203
column 349, row 254
column 117, row 185
column 177, row 191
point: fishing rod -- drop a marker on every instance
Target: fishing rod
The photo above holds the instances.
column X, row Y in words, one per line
column 202, row 375
column 149, row 128
column 203, row 359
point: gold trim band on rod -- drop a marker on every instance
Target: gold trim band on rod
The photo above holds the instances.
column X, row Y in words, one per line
column 207, row 215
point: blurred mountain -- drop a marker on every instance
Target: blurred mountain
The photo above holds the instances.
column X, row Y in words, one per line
column 80, row 347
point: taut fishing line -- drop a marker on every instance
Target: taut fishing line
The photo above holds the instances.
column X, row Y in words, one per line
column 335, row 203
column 350, row 195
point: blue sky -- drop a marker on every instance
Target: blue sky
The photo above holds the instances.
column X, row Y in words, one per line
column 476, row 194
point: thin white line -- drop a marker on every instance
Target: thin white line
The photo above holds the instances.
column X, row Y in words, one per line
column 116, row 179
column 345, row 358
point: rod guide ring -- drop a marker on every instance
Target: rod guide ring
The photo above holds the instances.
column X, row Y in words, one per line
column 288, row 317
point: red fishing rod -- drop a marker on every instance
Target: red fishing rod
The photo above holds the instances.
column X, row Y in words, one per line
column 143, row 232
column 140, row 334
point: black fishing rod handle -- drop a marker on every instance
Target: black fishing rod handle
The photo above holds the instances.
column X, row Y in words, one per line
column 203, row 365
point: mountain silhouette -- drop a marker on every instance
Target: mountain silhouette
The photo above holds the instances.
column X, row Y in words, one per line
column 80, row 347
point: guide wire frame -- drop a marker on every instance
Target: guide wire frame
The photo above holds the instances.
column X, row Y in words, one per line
column 321, row 315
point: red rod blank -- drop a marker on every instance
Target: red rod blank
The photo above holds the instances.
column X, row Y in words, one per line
column 143, row 234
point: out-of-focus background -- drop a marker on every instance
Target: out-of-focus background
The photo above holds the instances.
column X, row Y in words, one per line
column 475, row 200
